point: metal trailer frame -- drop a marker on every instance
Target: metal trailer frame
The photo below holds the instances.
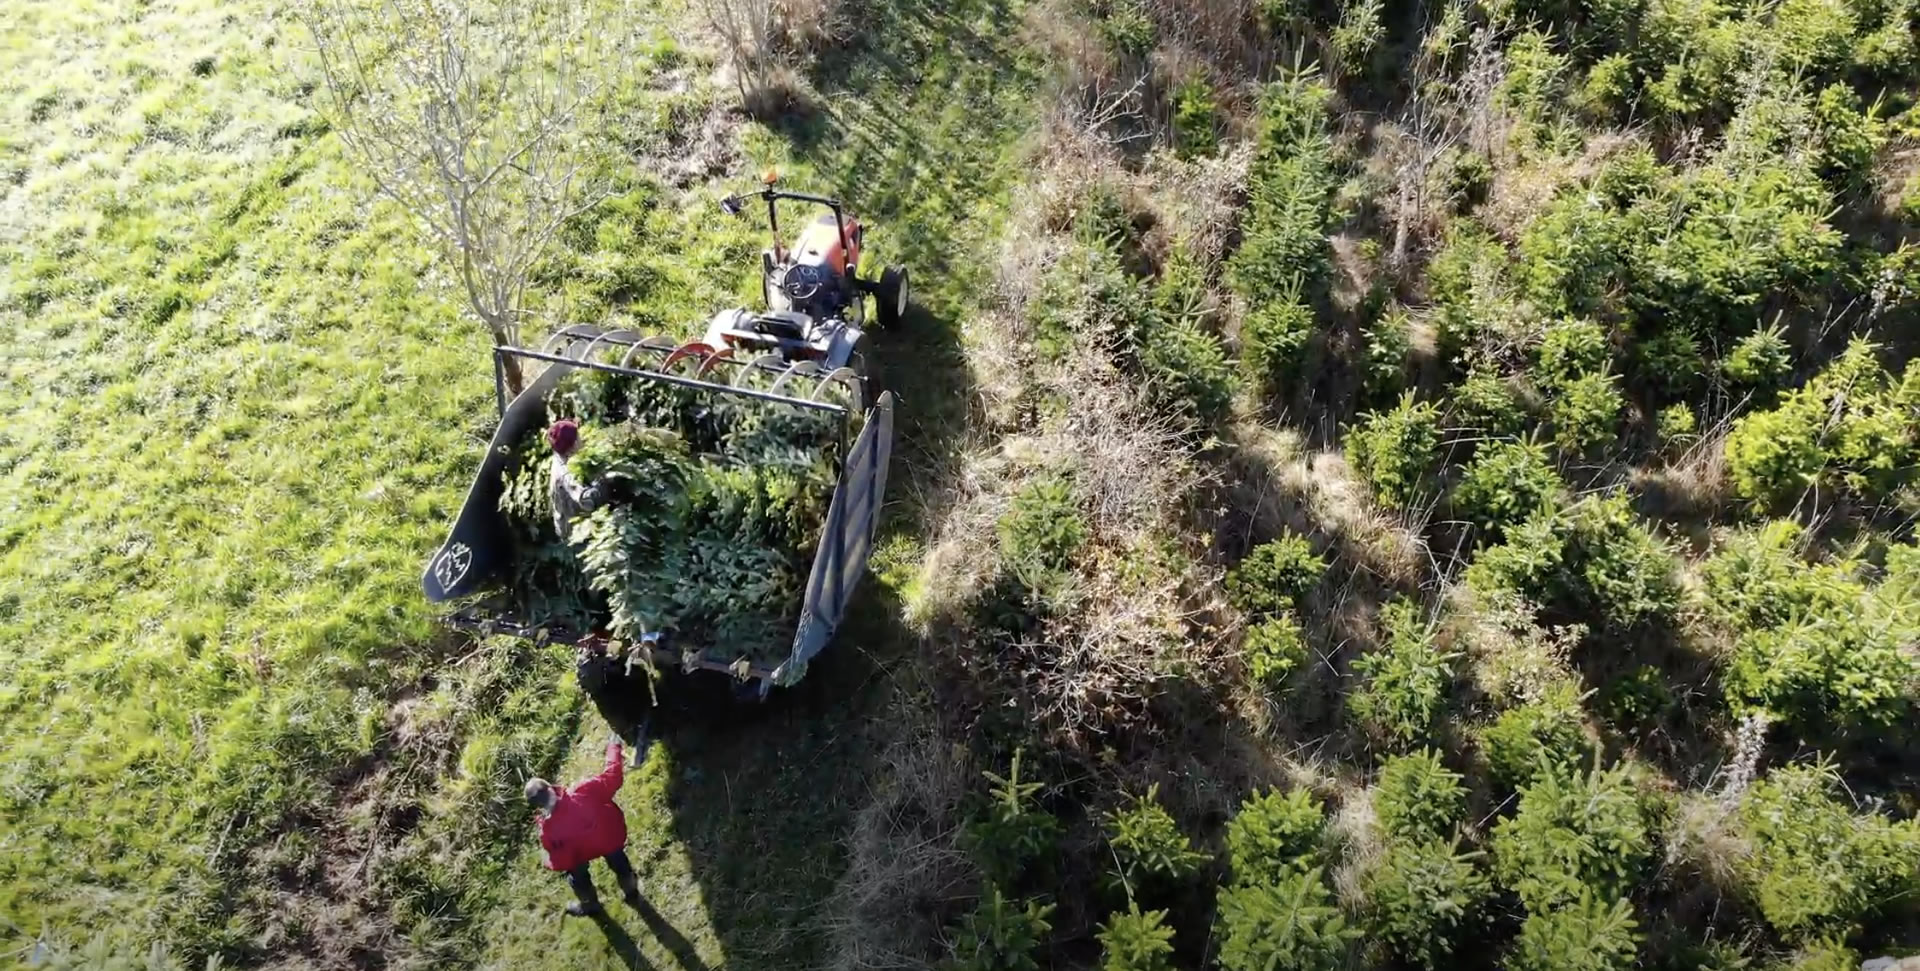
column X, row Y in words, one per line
column 477, row 548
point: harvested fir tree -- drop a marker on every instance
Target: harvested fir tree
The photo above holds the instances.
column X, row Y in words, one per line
column 712, row 509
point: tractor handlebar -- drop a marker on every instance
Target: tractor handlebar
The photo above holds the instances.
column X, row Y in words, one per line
column 734, row 205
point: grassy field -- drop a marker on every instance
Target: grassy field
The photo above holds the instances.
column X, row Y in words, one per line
column 242, row 403
column 241, row 407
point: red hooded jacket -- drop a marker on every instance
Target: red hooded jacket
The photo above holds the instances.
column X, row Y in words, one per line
column 585, row 824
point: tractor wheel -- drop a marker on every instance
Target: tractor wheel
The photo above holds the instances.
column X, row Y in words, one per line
column 891, row 295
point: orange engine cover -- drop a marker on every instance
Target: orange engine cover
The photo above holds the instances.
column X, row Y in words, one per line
column 819, row 244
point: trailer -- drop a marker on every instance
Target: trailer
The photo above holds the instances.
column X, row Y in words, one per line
column 469, row 567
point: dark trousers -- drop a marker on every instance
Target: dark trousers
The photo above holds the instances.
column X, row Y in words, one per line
column 582, row 882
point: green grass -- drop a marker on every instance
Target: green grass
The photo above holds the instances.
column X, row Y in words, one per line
column 240, row 408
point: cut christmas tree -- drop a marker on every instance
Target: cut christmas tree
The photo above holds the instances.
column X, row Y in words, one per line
column 710, row 509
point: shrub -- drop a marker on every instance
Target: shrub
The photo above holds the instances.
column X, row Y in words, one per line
column 1484, row 400
column 1809, row 649
column 1759, row 360
column 1851, row 426
column 1012, row 832
column 1676, row 426
column 1506, row 484
column 1745, row 232
column 1543, row 735
column 1404, row 680
column 1816, row 868
column 1126, row 26
column 1638, row 698
column 1589, row 934
column 1696, row 45
column 1574, row 834
column 1288, row 189
column 1179, row 293
column 1467, row 280
column 1535, row 77
column 1592, row 558
column 1468, row 179
column 1358, row 33
column 1609, row 88
column 1196, row 117
column 1422, row 898
column 1829, row 955
column 1417, row 799
column 1273, row 649
column 1624, row 571
column 1088, row 295
column 1103, row 223
column 1669, row 361
column 1273, row 577
column 1273, row 835
column 1757, row 580
column 1272, row 339
column 1001, row 934
column 1187, row 370
column 1572, row 348
column 1530, row 564
column 1848, row 138
column 1586, row 412
column 1631, row 176
column 1832, row 671
column 1775, row 456
column 1040, row 532
column 1289, row 922
column 1896, row 601
column 1147, row 844
column 1889, row 48
column 1574, row 260
column 1393, row 450
column 1136, row 940
column 1389, row 341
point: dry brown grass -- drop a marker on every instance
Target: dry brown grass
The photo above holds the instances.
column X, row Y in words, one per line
column 1523, row 187
column 1362, row 846
column 904, row 870
column 1136, row 606
column 1199, row 200
column 810, row 26
column 1702, row 838
column 1511, row 658
column 1692, row 488
column 1310, row 490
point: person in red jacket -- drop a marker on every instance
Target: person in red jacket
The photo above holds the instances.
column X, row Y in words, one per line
column 581, row 825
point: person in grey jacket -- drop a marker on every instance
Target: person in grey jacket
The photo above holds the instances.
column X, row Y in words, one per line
column 570, row 497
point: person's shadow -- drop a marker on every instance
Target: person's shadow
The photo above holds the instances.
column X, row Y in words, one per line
column 622, row 942
column 628, row 950
column 670, row 938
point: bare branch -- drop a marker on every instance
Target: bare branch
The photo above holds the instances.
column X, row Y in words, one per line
column 475, row 118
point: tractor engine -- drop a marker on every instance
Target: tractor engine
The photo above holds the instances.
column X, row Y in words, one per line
column 810, row 277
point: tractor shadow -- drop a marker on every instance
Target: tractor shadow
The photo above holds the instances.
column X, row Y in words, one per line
column 762, row 796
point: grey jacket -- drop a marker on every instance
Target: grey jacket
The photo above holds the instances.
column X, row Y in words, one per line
column 570, row 498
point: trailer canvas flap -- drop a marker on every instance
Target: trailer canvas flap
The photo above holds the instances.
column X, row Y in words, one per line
column 847, row 539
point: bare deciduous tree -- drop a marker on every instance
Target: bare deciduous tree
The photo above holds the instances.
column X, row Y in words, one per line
column 749, row 29
column 474, row 117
